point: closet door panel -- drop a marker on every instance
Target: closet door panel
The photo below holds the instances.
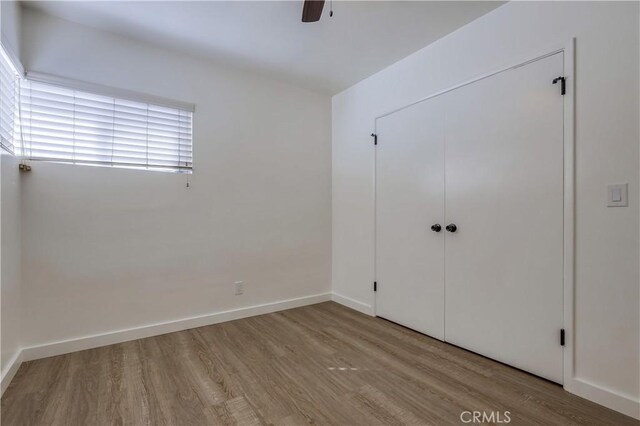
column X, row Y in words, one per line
column 504, row 191
column 409, row 200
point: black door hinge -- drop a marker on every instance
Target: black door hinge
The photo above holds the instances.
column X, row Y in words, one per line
column 375, row 286
column 563, row 84
column 562, row 337
column 375, row 138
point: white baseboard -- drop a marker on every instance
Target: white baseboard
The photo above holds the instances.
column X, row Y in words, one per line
column 606, row 397
column 353, row 304
column 110, row 338
column 10, row 371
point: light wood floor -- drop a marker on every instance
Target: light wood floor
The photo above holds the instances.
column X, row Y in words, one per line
column 321, row 364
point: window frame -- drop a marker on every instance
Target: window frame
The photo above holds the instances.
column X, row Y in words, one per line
column 6, row 54
column 120, row 95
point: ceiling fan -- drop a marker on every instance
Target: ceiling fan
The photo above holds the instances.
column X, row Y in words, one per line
column 312, row 10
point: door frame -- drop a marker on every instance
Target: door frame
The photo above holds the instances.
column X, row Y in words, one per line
column 568, row 50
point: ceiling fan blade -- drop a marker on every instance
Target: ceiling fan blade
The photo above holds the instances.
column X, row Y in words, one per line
column 312, row 10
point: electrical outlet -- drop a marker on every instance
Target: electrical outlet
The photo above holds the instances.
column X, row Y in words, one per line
column 239, row 287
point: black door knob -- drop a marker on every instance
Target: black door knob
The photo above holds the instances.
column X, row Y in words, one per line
column 436, row 227
column 451, row 227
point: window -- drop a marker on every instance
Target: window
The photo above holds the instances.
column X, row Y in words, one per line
column 67, row 125
column 9, row 87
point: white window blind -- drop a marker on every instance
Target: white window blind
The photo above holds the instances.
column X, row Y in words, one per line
column 9, row 90
column 67, row 125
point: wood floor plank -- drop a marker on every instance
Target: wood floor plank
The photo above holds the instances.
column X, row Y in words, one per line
column 320, row 364
column 385, row 410
column 237, row 411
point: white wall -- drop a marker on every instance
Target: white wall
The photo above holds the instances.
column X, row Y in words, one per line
column 109, row 249
column 607, row 267
column 10, row 24
column 10, row 305
column 10, row 240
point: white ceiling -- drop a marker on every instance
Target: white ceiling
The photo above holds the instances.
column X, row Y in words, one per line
column 361, row 38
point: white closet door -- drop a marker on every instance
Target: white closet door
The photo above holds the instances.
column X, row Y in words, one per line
column 504, row 191
column 409, row 200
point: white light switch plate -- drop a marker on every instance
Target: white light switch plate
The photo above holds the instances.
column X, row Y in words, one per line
column 617, row 195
